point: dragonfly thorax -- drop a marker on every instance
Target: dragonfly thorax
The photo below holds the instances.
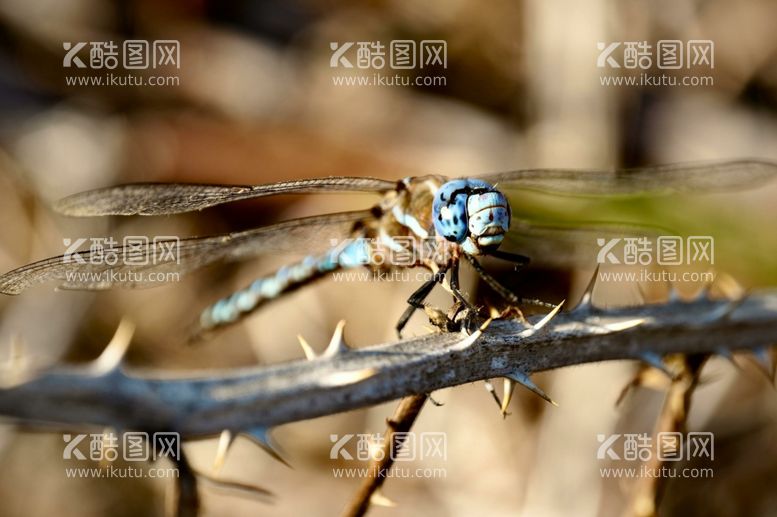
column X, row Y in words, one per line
column 471, row 213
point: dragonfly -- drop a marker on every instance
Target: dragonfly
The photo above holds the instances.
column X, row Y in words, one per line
column 465, row 219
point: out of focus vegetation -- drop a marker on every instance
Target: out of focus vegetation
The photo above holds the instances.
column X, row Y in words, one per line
column 257, row 103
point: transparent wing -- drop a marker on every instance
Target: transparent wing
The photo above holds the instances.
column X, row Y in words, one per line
column 664, row 179
column 560, row 245
column 176, row 198
column 142, row 266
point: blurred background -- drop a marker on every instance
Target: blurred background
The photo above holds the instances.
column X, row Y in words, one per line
column 257, row 100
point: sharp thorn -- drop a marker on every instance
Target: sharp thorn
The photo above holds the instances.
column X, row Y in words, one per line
column 655, row 360
column 618, row 326
column 378, row 499
column 470, row 339
column 226, row 439
column 524, row 380
column 726, row 354
column 724, row 311
column 674, row 294
column 586, row 301
column 729, row 286
column 549, row 316
column 345, row 378
column 337, row 344
column 703, row 294
column 238, row 488
column 625, row 391
column 114, row 353
column 647, row 376
column 261, row 436
column 507, row 395
column 763, row 359
column 306, row 348
column 485, row 325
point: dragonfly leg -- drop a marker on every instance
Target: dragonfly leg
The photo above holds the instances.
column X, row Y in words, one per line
column 455, row 287
column 503, row 291
column 520, row 261
column 416, row 300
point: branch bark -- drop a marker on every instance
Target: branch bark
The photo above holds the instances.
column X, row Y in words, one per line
column 253, row 400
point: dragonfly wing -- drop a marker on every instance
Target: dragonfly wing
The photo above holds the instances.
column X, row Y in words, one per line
column 567, row 246
column 142, row 266
column 176, row 198
column 663, row 179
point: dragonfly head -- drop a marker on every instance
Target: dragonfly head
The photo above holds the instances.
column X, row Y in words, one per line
column 472, row 213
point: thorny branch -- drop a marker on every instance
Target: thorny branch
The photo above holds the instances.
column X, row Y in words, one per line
column 253, row 400
column 404, row 417
column 673, row 417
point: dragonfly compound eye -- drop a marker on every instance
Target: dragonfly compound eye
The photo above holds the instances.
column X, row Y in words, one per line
column 449, row 210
